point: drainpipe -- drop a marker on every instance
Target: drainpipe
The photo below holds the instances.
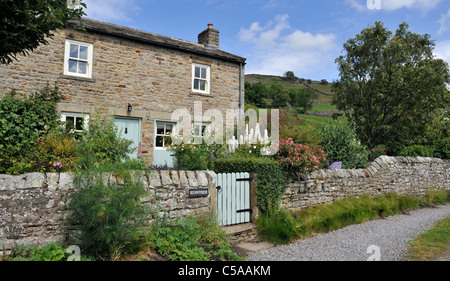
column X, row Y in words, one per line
column 240, row 91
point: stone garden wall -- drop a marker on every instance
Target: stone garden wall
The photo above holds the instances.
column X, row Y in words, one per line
column 32, row 205
column 402, row 175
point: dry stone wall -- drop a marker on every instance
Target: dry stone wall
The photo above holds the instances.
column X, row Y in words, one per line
column 32, row 206
column 402, row 175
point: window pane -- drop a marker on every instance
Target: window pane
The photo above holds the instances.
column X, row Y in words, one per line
column 167, row 142
column 73, row 51
column 159, row 141
column 169, row 128
column 196, row 84
column 197, row 72
column 202, row 85
column 83, row 52
column 73, row 66
column 203, row 73
column 79, row 123
column 82, row 67
column 70, row 121
column 160, row 129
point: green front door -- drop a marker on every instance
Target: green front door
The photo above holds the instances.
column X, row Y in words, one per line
column 130, row 129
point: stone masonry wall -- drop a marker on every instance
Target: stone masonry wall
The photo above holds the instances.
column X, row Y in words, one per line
column 154, row 80
column 402, row 175
column 32, row 206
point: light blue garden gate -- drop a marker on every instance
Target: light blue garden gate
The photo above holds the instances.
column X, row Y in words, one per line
column 233, row 198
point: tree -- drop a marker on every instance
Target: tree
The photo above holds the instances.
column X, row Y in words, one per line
column 26, row 24
column 390, row 84
column 256, row 93
column 302, row 98
column 280, row 97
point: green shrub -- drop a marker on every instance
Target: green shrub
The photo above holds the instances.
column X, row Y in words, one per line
column 271, row 177
column 190, row 239
column 341, row 144
column 198, row 156
column 101, row 143
column 57, row 152
column 24, row 121
column 109, row 217
column 417, row 150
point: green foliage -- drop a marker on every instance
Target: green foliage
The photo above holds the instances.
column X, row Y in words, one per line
column 101, row 142
column 302, row 98
column 293, row 127
column 23, row 123
column 57, row 152
column 280, row 98
column 108, row 215
column 256, row 94
column 438, row 135
column 341, row 144
column 49, row 252
column 198, row 156
column 417, row 150
column 271, row 177
column 277, row 227
column 274, row 95
column 190, row 239
column 27, row 24
column 390, row 85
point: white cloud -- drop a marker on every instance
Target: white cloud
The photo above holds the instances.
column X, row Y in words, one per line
column 442, row 50
column 110, row 10
column 392, row 5
column 278, row 48
column 443, row 21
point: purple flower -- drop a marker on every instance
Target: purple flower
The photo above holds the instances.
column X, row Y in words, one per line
column 336, row 166
column 58, row 164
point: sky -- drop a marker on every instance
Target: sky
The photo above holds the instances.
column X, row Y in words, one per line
column 303, row 36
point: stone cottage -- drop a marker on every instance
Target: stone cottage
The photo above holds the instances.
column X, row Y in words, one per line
column 139, row 77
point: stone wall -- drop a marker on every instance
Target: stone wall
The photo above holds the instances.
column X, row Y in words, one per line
column 32, row 206
column 402, row 175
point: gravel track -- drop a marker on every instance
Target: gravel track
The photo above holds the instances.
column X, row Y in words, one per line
column 351, row 243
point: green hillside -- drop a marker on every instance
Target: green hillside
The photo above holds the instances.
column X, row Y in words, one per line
column 325, row 94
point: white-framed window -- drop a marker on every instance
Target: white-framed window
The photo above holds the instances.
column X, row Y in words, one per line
column 163, row 138
column 75, row 122
column 78, row 58
column 200, row 129
column 201, row 78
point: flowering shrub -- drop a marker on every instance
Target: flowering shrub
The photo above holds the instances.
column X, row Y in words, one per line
column 299, row 158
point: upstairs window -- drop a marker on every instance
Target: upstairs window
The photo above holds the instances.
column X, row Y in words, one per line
column 201, row 78
column 78, row 59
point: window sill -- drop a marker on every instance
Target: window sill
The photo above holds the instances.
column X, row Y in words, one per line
column 201, row 94
column 82, row 79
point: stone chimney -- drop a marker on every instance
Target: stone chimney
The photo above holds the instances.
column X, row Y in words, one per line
column 209, row 37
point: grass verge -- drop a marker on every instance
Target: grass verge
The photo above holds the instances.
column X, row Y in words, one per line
column 282, row 227
column 430, row 245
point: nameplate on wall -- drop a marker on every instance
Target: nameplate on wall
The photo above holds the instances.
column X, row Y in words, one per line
column 198, row 192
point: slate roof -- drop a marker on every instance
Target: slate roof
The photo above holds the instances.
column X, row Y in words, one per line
column 100, row 27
